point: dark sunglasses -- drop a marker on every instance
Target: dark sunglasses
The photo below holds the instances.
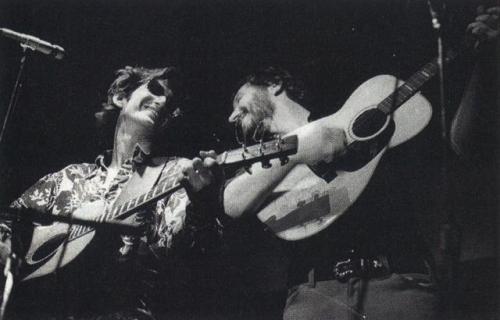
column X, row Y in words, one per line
column 157, row 86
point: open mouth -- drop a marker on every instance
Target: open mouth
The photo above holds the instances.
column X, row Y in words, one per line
column 152, row 109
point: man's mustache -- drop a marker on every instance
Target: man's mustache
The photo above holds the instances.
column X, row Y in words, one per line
column 254, row 130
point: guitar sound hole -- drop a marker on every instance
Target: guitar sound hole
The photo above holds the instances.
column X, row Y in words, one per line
column 368, row 123
column 48, row 248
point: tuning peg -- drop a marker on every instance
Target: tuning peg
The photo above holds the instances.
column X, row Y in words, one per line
column 284, row 160
column 266, row 164
column 278, row 138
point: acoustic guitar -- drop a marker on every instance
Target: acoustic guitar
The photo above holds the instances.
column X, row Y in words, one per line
column 58, row 244
column 380, row 114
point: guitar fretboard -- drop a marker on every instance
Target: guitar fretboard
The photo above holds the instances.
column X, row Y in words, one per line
column 404, row 92
column 163, row 189
column 245, row 156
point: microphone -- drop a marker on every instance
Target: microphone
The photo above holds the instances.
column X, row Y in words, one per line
column 34, row 43
column 434, row 15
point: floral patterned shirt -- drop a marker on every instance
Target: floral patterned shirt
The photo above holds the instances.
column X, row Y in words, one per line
column 62, row 192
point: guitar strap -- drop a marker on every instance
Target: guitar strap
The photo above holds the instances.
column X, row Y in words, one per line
column 143, row 179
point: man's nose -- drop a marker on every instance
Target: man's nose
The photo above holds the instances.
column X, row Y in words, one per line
column 234, row 116
column 159, row 100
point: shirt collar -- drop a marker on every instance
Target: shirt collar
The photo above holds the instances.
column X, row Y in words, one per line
column 103, row 160
column 139, row 157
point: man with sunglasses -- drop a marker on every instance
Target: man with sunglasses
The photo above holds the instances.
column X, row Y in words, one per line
column 143, row 103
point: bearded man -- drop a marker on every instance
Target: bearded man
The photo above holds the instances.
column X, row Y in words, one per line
column 399, row 287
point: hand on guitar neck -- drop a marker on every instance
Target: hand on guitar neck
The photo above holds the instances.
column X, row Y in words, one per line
column 202, row 178
column 200, row 172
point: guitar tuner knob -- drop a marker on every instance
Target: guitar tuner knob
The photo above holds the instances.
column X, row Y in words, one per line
column 266, row 164
column 284, row 160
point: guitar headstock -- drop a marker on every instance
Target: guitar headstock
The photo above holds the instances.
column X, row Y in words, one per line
column 263, row 152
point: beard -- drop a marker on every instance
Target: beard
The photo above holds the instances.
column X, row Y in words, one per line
column 255, row 129
column 256, row 124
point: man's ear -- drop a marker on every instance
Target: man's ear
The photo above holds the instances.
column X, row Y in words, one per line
column 119, row 100
column 276, row 88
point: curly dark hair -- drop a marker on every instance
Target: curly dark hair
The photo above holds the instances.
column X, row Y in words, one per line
column 127, row 80
column 277, row 76
column 130, row 78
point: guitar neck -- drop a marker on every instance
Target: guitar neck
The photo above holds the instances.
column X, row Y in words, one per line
column 407, row 90
column 245, row 156
column 124, row 210
column 163, row 189
column 129, row 207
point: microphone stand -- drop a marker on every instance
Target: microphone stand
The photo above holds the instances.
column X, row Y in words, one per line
column 15, row 92
column 449, row 243
column 12, row 262
column 9, row 283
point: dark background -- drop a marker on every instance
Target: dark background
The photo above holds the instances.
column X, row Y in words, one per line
column 332, row 45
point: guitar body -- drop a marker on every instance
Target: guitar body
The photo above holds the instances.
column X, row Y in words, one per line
column 48, row 251
column 303, row 204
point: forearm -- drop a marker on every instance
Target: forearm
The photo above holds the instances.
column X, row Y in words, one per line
column 317, row 141
column 247, row 192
